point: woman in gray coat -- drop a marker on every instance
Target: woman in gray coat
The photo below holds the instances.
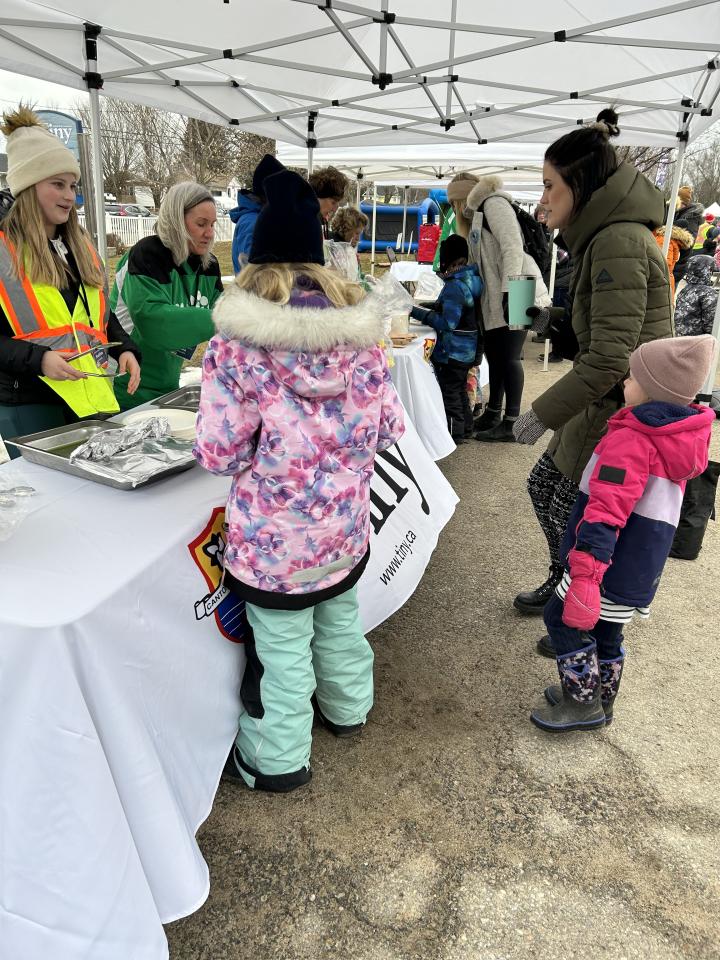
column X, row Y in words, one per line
column 489, row 223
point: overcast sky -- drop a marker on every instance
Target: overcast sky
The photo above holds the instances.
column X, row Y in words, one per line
column 13, row 88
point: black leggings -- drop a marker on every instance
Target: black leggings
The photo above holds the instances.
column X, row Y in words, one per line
column 503, row 348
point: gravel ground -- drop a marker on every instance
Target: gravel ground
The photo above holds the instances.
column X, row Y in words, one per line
column 452, row 829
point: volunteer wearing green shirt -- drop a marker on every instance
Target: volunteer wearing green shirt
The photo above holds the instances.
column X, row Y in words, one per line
column 165, row 287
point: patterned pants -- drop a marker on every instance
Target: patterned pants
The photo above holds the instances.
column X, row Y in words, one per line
column 553, row 497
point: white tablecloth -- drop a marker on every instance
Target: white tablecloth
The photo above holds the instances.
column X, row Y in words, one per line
column 415, row 382
column 119, row 694
column 409, row 270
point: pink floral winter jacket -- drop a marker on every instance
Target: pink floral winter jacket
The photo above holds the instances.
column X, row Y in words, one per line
column 296, row 399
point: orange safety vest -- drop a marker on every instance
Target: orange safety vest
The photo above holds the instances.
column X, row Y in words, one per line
column 37, row 313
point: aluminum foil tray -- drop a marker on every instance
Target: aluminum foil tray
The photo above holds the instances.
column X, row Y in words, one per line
column 52, row 448
column 186, row 398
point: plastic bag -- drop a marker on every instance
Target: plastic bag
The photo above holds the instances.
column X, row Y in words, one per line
column 342, row 257
column 429, row 286
column 15, row 504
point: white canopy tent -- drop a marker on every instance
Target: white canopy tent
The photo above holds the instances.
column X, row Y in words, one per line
column 329, row 73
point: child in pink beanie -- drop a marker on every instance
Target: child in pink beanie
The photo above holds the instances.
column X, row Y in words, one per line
column 622, row 526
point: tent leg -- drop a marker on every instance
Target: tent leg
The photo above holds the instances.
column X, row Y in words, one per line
column 310, row 161
column 673, row 196
column 374, row 223
column 402, row 245
column 97, row 170
column 357, row 196
column 551, row 291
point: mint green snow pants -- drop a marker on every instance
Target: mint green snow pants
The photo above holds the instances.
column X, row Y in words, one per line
column 297, row 652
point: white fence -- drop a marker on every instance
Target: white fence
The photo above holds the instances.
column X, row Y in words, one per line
column 131, row 229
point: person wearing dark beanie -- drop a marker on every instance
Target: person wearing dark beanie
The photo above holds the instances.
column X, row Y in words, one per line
column 250, row 203
column 287, row 229
column 296, row 401
column 622, row 526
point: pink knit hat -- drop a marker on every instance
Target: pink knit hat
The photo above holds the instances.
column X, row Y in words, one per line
column 673, row 370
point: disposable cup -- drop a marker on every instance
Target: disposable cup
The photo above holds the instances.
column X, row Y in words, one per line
column 521, row 296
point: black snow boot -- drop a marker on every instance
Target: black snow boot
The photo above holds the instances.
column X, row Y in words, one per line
column 580, row 706
column 532, row 602
column 610, row 674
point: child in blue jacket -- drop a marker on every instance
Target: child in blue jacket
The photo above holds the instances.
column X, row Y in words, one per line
column 455, row 317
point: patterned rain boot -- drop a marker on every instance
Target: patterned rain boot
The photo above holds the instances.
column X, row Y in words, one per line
column 580, row 707
column 610, row 674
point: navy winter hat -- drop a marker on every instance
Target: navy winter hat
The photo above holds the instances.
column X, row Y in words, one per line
column 454, row 247
column 288, row 228
column 266, row 168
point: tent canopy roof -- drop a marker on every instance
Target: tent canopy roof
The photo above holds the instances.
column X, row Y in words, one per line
column 407, row 165
column 388, row 72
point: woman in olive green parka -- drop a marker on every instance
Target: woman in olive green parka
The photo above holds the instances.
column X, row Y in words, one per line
column 620, row 292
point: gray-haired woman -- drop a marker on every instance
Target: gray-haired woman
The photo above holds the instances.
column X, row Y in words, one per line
column 166, row 287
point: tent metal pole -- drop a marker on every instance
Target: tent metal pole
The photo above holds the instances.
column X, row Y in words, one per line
column 97, row 171
column 402, row 245
column 94, row 82
column 374, row 224
column 673, row 196
column 357, row 197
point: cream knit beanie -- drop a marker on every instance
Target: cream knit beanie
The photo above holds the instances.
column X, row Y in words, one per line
column 33, row 153
column 675, row 369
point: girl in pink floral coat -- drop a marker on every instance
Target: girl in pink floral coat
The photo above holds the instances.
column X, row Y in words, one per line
column 296, row 400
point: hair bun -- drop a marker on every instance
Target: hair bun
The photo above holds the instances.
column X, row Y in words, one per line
column 607, row 122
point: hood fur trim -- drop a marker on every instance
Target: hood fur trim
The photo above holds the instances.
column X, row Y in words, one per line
column 486, row 186
column 684, row 238
column 240, row 315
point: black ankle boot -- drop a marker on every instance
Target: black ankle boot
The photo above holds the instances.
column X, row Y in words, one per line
column 489, row 419
column 501, row 433
column 532, row 602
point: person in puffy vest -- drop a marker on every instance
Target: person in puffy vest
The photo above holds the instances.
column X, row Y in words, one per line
column 296, row 401
column 605, row 211
column 56, row 326
column 455, row 318
column 622, row 526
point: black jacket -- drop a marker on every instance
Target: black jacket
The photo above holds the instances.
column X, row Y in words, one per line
column 20, row 360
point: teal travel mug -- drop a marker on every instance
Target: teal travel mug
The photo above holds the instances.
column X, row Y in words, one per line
column 521, row 296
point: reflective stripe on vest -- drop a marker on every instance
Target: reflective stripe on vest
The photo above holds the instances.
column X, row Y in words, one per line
column 38, row 314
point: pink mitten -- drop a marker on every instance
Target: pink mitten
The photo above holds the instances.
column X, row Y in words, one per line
column 582, row 601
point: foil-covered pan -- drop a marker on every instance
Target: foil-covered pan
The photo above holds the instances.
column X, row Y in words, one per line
column 147, row 462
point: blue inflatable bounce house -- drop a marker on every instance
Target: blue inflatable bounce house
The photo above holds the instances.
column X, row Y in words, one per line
column 390, row 221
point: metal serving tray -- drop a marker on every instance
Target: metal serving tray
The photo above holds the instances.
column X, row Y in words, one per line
column 186, row 398
column 52, row 448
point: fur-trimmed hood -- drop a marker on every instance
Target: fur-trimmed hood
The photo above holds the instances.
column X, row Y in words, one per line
column 311, row 350
column 683, row 237
column 240, row 315
column 486, row 187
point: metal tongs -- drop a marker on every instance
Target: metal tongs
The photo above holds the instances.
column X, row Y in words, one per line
column 100, row 346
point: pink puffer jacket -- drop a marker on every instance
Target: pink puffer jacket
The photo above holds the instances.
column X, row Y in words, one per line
column 296, row 399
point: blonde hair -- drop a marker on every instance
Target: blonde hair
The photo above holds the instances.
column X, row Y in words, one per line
column 170, row 226
column 275, row 281
column 24, row 226
column 462, row 223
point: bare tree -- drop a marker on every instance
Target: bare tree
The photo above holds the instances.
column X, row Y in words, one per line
column 648, row 160
column 702, row 171
column 120, row 148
